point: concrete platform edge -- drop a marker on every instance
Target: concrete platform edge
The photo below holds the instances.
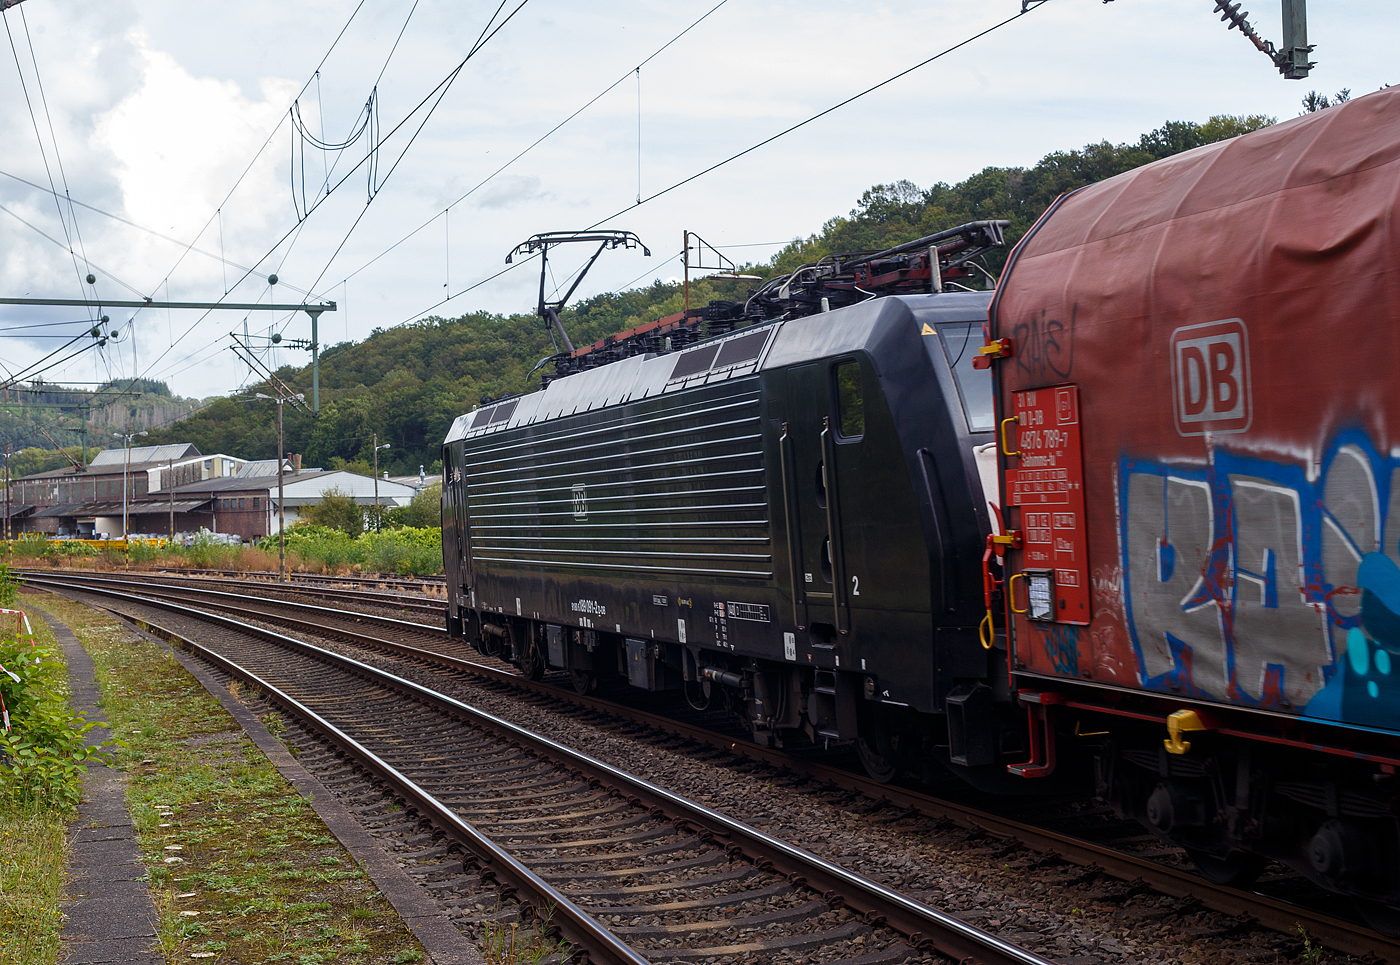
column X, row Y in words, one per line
column 437, row 934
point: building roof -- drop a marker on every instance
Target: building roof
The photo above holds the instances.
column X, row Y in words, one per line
column 139, row 454
column 262, row 467
column 226, row 484
column 144, row 508
column 428, row 480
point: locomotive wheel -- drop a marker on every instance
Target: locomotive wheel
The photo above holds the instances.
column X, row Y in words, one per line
column 876, row 750
column 1239, row 869
column 532, row 662
column 583, row 681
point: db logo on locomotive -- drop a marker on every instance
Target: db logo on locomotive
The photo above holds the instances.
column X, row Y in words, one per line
column 1210, row 378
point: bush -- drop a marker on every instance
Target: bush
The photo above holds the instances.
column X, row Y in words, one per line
column 407, row 550
column 410, row 550
column 330, row 547
column 43, row 753
column 337, row 511
column 424, row 512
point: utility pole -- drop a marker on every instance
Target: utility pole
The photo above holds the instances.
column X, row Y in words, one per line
column 281, row 504
column 281, row 491
column 126, row 475
column 1292, row 58
column 8, row 545
column 377, row 447
column 314, row 310
column 170, row 487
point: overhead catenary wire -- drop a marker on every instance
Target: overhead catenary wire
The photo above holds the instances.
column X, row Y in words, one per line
column 720, row 164
column 438, row 90
column 49, row 237
column 139, row 227
column 24, row 86
column 100, row 357
column 257, row 154
column 53, row 137
column 818, row 116
column 542, row 138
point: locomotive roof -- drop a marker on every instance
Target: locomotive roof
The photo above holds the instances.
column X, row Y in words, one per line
column 729, row 356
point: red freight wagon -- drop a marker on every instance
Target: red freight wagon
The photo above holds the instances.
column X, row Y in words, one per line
column 1197, row 367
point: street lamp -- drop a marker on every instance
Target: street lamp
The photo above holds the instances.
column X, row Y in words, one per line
column 281, row 512
column 377, row 447
column 126, row 473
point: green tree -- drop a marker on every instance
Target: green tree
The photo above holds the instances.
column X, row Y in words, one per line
column 424, row 512
column 337, row 511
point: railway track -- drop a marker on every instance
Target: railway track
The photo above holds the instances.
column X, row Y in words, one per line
column 397, row 595
column 430, row 647
column 632, row 873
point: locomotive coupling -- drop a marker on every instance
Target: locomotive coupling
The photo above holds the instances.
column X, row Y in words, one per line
column 726, row 677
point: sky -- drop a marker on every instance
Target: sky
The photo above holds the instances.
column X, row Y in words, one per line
column 191, row 146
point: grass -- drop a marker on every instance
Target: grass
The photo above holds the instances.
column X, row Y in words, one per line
column 33, row 853
column 240, row 866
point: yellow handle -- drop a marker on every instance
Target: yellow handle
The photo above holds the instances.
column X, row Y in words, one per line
column 986, row 632
column 1011, row 594
column 1005, row 451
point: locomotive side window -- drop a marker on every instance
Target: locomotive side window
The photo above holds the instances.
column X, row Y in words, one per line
column 961, row 340
column 850, row 410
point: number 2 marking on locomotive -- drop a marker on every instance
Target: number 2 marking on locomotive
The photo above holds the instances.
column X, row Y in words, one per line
column 855, row 587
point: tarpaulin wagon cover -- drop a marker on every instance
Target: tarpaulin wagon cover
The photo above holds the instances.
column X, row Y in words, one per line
column 1205, row 383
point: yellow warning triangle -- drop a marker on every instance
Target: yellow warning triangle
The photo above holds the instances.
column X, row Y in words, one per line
column 927, row 330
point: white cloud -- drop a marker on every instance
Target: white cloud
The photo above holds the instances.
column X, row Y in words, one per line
column 180, row 143
column 511, row 190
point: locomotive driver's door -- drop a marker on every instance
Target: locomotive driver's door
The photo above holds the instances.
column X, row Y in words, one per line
column 454, row 492
column 813, row 525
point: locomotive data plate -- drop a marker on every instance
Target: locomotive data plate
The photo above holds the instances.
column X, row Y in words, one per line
column 757, row 612
column 1047, row 482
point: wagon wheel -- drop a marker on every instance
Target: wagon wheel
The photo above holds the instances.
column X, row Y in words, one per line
column 1238, row 869
column 583, row 680
column 1380, row 916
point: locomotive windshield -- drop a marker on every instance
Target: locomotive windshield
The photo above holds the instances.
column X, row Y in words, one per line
column 960, row 342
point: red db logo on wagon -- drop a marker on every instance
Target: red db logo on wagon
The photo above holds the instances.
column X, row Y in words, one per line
column 1210, row 378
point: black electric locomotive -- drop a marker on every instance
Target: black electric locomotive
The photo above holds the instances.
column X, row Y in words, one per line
column 788, row 517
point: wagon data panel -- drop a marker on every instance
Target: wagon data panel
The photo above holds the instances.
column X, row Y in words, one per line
column 1046, row 480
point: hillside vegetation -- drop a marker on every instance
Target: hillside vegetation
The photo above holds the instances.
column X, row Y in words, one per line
column 35, row 416
column 408, row 383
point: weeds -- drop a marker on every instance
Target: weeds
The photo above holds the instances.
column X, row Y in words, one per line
column 1311, row 954
column 405, row 551
column 517, row 944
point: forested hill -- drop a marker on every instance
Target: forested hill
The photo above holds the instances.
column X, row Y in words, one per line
column 408, row 383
